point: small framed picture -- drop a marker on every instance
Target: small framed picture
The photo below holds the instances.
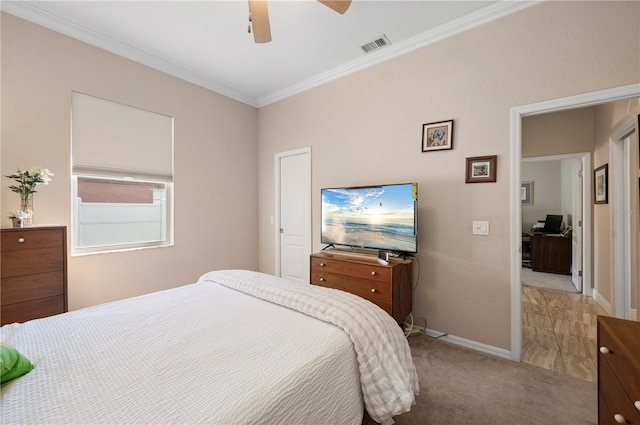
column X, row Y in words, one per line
column 601, row 184
column 526, row 193
column 437, row 136
column 481, row 169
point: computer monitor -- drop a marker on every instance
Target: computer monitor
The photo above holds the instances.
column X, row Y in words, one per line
column 553, row 223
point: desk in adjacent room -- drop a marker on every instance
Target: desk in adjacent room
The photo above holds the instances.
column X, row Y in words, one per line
column 551, row 253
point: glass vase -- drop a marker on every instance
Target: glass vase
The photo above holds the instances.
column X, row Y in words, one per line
column 26, row 206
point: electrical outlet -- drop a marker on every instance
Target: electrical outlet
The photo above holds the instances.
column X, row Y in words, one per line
column 481, row 228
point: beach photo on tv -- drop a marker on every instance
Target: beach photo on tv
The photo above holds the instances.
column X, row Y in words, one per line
column 372, row 217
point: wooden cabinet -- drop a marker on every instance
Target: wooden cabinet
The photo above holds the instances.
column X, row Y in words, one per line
column 33, row 280
column 387, row 286
column 551, row 254
column 618, row 371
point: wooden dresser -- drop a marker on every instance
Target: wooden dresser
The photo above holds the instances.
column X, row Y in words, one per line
column 618, row 371
column 33, row 280
column 387, row 286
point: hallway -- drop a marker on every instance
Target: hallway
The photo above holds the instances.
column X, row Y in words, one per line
column 558, row 326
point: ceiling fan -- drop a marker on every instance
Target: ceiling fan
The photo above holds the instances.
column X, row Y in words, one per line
column 259, row 17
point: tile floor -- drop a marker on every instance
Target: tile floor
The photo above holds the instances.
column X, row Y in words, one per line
column 559, row 331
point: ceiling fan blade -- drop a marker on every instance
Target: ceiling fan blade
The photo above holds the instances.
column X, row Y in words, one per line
column 339, row 6
column 259, row 17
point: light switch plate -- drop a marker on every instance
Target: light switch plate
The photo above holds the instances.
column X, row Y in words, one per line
column 481, row 228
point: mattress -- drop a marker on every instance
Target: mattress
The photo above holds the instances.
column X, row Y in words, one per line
column 202, row 353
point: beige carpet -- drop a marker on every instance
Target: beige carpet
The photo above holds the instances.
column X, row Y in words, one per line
column 462, row 386
column 559, row 282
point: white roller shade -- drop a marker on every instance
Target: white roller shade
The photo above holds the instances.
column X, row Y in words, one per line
column 109, row 138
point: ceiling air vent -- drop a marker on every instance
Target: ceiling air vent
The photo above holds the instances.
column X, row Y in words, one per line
column 381, row 42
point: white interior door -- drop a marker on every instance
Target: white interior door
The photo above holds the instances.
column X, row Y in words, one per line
column 622, row 184
column 293, row 172
column 576, row 233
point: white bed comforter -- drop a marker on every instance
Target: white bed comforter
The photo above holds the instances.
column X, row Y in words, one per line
column 387, row 373
column 213, row 352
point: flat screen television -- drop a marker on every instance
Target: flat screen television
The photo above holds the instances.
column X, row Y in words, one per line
column 376, row 217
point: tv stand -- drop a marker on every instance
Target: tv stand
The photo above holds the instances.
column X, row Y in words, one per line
column 388, row 286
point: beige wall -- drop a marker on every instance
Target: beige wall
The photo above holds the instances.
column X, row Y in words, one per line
column 215, row 159
column 547, row 195
column 366, row 128
column 558, row 133
column 363, row 129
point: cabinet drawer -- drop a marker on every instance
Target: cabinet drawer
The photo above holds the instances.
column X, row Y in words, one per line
column 25, row 288
column 368, row 271
column 31, row 261
column 30, row 239
column 605, row 417
column 377, row 292
column 36, row 309
column 615, row 397
column 620, row 365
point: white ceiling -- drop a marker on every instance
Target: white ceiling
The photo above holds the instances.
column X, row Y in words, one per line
column 207, row 43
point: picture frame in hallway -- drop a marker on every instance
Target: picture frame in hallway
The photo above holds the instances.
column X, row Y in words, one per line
column 601, row 184
column 481, row 169
column 437, row 136
column 526, row 193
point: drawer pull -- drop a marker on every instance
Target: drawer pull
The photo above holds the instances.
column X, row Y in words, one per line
column 322, row 264
column 20, row 240
column 605, row 350
column 373, row 290
column 619, row 418
column 322, row 279
column 373, row 273
column 637, row 404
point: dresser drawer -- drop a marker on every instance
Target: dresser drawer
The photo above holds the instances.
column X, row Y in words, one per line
column 25, row 288
column 387, row 286
column 31, row 261
column 28, row 239
column 377, row 292
column 605, row 417
column 619, row 363
column 615, row 397
column 362, row 270
column 36, row 309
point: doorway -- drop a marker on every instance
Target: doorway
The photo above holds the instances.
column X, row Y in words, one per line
column 517, row 114
column 293, row 214
column 561, row 188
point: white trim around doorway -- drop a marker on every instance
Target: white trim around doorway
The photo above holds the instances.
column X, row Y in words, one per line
column 517, row 113
column 587, row 237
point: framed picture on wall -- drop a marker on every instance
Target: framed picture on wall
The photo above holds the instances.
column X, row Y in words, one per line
column 437, row 136
column 481, row 169
column 601, row 184
column 526, row 193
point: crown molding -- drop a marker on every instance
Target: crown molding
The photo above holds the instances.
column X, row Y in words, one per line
column 31, row 13
column 479, row 17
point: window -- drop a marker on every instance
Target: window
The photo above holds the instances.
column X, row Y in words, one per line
column 122, row 176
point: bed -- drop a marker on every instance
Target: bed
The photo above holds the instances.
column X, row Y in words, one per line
column 236, row 347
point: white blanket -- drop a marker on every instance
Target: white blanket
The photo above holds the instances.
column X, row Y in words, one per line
column 387, row 373
column 197, row 354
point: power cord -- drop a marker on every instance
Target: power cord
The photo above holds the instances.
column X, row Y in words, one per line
column 407, row 332
column 413, row 288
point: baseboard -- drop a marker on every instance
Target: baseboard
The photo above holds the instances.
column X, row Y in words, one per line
column 489, row 349
column 602, row 302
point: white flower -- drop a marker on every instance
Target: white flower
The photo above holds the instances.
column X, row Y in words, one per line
column 19, row 214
